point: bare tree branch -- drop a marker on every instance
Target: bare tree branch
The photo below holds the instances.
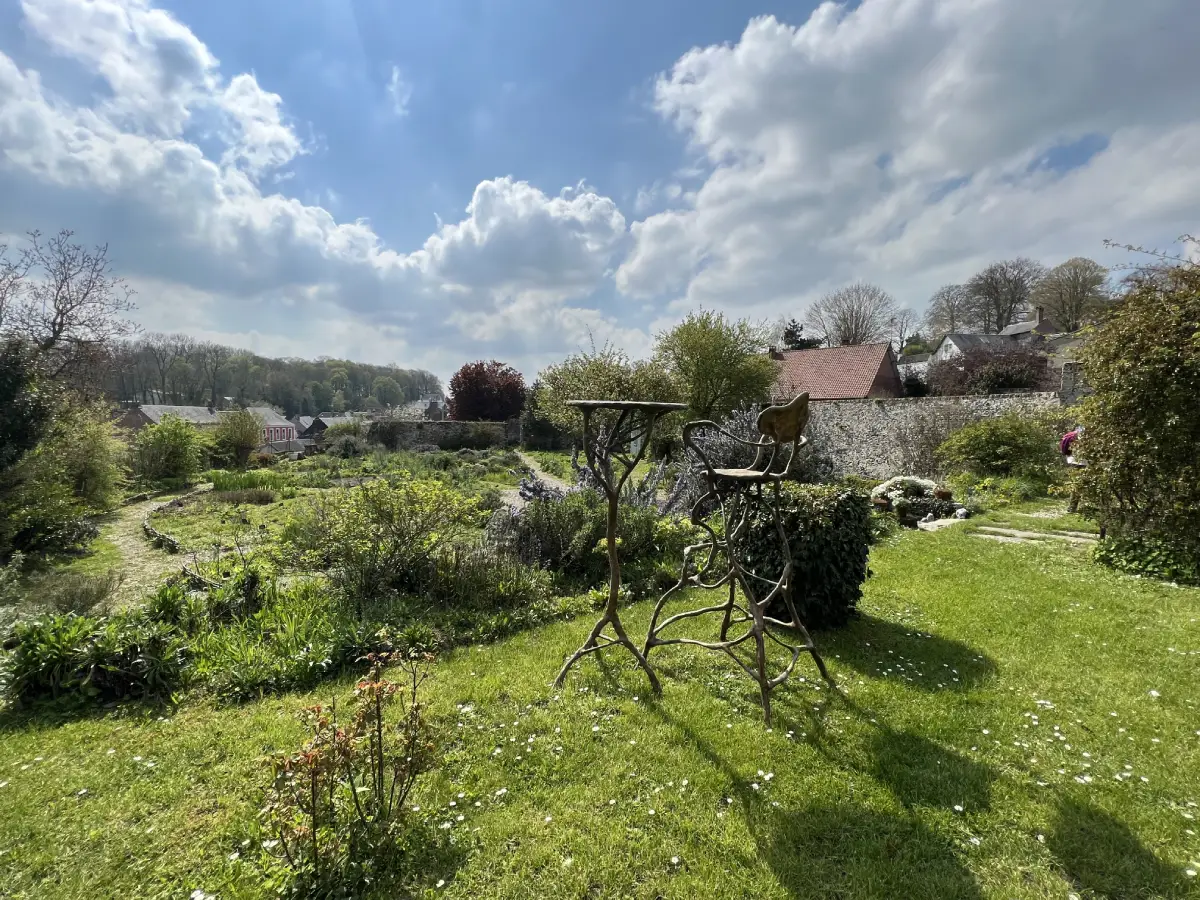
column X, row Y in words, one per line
column 1001, row 292
column 949, row 311
column 1070, row 293
column 857, row 314
column 65, row 300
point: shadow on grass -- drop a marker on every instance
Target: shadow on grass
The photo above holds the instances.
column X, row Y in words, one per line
column 1101, row 854
column 54, row 713
column 925, row 661
column 922, row 773
column 850, row 850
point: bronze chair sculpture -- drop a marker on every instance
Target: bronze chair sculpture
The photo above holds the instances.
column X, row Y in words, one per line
column 739, row 495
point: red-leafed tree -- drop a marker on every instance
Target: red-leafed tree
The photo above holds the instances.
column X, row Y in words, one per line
column 486, row 392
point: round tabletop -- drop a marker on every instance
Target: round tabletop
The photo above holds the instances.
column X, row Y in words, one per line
column 637, row 405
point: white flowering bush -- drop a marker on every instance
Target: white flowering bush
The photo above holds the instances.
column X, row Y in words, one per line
column 911, row 498
column 904, row 486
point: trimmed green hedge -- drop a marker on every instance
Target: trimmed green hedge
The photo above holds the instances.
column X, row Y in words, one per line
column 829, row 531
column 1149, row 556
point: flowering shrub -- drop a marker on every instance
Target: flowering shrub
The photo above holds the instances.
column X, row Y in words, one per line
column 912, row 498
column 335, row 809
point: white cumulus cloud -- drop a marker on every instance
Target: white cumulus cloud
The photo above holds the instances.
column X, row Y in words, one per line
column 899, row 140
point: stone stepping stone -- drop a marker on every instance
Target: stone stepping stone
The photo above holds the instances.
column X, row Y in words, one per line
column 1076, row 537
column 1005, row 539
column 939, row 524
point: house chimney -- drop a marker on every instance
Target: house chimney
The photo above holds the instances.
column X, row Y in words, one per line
column 775, row 353
column 1037, row 315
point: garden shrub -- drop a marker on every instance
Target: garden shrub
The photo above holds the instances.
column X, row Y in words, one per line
column 1144, row 555
column 346, row 446
column 991, row 370
column 1143, row 423
column 1012, row 445
column 337, row 809
column 40, row 516
column 380, row 537
column 76, row 471
column 173, row 448
column 481, row 578
column 72, row 592
column 829, row 532
column 566, row 535
column 237, row 435
column 991, row 492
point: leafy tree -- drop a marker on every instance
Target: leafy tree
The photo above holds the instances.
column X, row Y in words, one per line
column 718, row 363
column 949, row 310
column 1001, row 292
column 1143, row 423
column 322, row 397
column 1072, row 293
column 26, row 402
column 794, row 339
column 857, row 314
column 338, row 403
column 75, row 470
column 387, row 391
column 599, row 374
column 173, row 448
column 238, row 434
column 83, row 451
column 486, row 392
column 537, row 433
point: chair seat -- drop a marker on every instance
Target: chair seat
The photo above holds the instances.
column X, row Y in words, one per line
column 747, row 475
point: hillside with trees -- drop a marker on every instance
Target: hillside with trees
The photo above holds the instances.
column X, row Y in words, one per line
column 177, row 369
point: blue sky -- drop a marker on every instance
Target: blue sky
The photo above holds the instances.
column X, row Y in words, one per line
column 432, row 183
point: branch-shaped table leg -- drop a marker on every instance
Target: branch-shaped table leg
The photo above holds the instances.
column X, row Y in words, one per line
column 601, row 450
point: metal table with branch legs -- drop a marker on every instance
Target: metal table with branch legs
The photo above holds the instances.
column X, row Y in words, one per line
column 634, row 427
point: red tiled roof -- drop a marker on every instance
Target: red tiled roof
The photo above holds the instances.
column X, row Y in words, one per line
column 830, row 373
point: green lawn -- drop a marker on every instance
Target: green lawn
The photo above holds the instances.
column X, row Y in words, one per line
column 1018, row 724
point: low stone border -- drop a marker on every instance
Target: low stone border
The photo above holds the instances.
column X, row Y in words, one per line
column 161, row 538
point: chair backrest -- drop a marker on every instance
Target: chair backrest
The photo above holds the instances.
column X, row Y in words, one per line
column 784, row 424
column 777, row 426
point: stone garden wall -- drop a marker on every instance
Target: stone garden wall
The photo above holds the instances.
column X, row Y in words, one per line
column 882, row 438
column 403, row 434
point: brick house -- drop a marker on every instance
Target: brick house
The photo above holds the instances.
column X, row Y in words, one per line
column 276, row 429
column 851, row 372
